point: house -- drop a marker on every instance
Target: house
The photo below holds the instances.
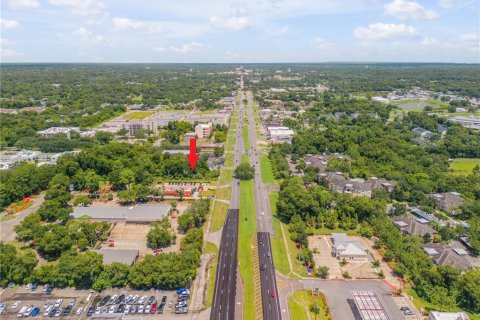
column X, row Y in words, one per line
column 128, row 257
column 58, row 130
column 346, row 248
column 203, row 130
column 444, row 255
column 335, row 181
column 447, row 201
column 417, row 227
column 422, row 214
column 437, row 315
column 321, row 161
column 381, row 100
column 125, row 214
column 442, row 129
column 423, row 132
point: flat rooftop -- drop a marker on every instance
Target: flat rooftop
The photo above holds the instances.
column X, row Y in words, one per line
column 127, row 257
column 368, row 305
column 137, row 213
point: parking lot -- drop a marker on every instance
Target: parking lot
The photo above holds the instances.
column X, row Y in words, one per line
column 135, row 301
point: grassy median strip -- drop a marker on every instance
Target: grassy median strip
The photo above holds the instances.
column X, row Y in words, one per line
column 266, row 170
column 278, row 245
column 247, row 229
column 211, row 248
column 219, row 214
column 245, row 138
column 226, row 176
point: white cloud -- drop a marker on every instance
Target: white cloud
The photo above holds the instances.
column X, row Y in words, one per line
column 5, row 42
column 430, row 41
column 446, row 4
column 8, row 24
column 384, row 31
column 88, row 36
column 277, row 32
column 469, row 37
column 231, row 23
column 321, row 43
column 8, row 53
column 186, row 48
column 409, row 10
column 80, row 7
column 161, row 28
column 23, row 4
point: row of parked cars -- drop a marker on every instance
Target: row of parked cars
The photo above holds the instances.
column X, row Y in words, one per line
column 52, row 309
column 182, row 300
column 131, row 304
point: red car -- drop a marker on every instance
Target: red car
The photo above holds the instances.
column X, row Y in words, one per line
column 153, row 309
column 272, row 293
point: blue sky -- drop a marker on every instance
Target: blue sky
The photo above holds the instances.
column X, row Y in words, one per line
column 239, row 31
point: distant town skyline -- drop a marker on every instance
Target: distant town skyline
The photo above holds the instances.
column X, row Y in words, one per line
column 240, row 31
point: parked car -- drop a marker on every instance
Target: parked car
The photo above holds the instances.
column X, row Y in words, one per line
column 34, row 286
column 22, row 311
column 47, row 311
column 181, row 290
column 52, row 312
column 35, row 311
column 153, row 309
column 121, row 308
column 58, row 312
column 58, row 303
column 72, row 302
column 133, row 309
column 120, row 299
column 90, row 311
column 160, row 308
column 28, row 311
column 49, row 290
column 16, row 304
column 28, row 286
column 183, row 298
column 142, row 300
column 112, row 309
column 150, row 300
column 98, row 310
column 140, row 308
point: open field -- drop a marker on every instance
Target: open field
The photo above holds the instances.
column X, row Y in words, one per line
column 219, row 214
column 247, row 229
column 137, row 115
column 305, row 300
column 226, row 176
column 418, row 105
column 224, row 193
column 266, row 170
column 463, row 166
column 211, row 248
column 278, row 245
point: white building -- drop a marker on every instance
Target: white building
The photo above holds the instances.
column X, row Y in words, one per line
column 346, row 248
column 380, row 99
column 437, row 315
column 280, row 133
column 467, row 122
column 8, row 160
column 203, row 130
column 58, row 130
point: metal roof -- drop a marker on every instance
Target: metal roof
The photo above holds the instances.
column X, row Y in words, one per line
column 127, row 257
column 368, row 305
column 138, row 213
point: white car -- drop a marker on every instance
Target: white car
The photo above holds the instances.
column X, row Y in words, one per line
column 140, row 309
column 113, row 298
column 16, row 304
column 28, row 286
column 47, row 311
column 58, row 313
column 98, row 310
column 127, row 308
column 112, row 309
column 79, row 311
column 58, row 303
column 147, row 308
column 28, row 311
column 142, row 299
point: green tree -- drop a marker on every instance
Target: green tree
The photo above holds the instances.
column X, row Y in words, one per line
column 315, row 309
column 159, row 237
column 244, row 171
column 323, row 272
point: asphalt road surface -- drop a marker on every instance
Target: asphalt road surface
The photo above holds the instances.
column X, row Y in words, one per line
column 270, row 302
column 223, row 306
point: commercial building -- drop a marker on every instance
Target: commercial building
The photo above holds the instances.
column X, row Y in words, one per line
column 467, row 122
column 133, row 126
column 346, row 248
column 369, row 305
column 125, row 214
column 58, row 130
column 437, row 315
column 335, row 181
column 128, row 257
column 203, row 130
column 280, row 133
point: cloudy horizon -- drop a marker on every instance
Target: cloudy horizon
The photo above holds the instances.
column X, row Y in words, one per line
column 264, row 31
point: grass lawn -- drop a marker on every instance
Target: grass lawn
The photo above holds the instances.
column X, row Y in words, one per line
column 211, row 248
column 245, row 138
column 278, row 245
column 247, row 229
column 226, row 176
column 463, row 166
column 224, row 193
column 418, row 105
column 231, row 140
column 219, row 214
column 137, row 115
column 229, row 148
column 266, row 170
column 228, row 163
column 422, row 303
column 304, row 297
column 293, row 251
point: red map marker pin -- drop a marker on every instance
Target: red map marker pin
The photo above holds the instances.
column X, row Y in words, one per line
column 193, row 157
